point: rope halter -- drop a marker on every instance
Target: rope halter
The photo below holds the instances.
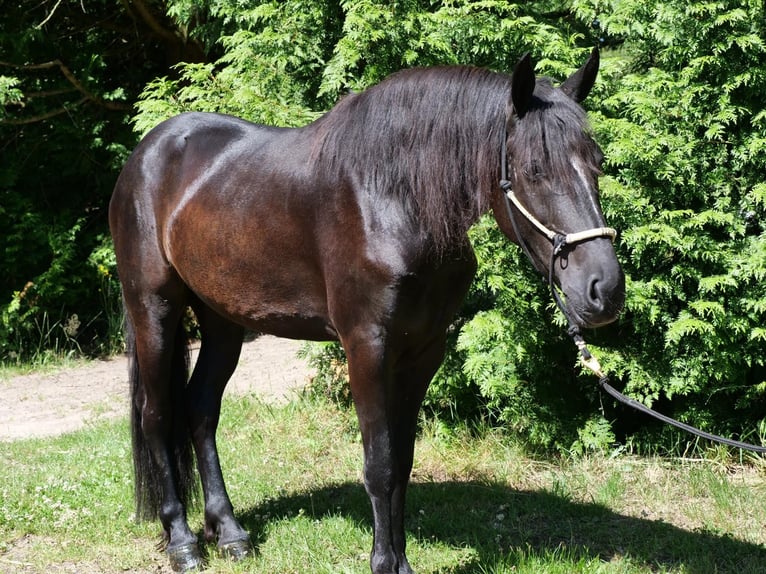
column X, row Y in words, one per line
column 558, row 240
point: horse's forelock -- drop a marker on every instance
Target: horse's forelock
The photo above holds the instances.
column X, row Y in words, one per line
column 552, row 133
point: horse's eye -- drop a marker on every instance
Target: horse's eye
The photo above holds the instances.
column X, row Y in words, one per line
column 533, row 172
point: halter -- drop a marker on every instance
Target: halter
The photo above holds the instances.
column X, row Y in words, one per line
column 560, row 241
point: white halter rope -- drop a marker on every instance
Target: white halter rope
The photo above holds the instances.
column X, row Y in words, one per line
column 567, row 239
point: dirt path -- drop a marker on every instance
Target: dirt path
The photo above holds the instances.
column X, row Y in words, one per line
column 39, row 405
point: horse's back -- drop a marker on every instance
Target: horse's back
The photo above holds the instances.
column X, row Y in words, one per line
column 183, row 148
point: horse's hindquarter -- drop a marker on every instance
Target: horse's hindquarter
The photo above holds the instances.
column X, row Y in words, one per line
column 236, row 224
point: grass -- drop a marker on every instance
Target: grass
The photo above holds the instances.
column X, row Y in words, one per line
column 476, row 505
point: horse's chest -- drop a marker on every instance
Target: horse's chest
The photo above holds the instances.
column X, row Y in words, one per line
column 427, row 301
column 405, row 312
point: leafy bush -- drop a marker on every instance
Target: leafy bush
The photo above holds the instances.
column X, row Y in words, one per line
column 678, row 110
column 683, row 128
column 679, row 113
column 88, row 320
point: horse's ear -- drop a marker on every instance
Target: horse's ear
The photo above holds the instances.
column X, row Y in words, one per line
column 579, row 84
column 522, row 85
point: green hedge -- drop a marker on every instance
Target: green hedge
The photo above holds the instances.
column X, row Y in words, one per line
column 678, row 110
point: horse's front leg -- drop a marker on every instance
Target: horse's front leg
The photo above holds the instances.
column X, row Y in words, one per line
column 387, row 401
column 414, row 372
column 370, row 378
column 219, row 353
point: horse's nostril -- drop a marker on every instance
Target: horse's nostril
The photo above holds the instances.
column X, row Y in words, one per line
column 605, row 294
column 595, row 294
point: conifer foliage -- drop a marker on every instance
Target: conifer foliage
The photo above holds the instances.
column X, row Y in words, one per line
column 678, row 109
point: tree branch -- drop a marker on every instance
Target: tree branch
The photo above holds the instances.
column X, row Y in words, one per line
column 41, row 117
column 70, row 77
column 179, row 47
column 49, row 16
column 48, row 93
column 148, row 18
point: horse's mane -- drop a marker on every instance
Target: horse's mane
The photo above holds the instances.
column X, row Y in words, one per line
column 431, row 137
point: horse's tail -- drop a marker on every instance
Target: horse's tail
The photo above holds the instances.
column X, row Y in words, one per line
column 147, row 483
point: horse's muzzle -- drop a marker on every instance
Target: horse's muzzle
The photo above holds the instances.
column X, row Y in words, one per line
column 600, row 298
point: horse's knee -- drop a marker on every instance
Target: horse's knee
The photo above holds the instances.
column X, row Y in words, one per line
column 379, row 476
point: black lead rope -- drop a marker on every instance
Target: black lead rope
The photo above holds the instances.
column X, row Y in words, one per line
column 609, row 389
column 588, row 360
column 603, row 380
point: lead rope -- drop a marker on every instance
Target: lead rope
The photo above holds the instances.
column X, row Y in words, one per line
column 592, row 364
column 587, row 359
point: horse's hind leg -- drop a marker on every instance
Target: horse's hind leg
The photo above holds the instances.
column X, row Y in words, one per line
column 218, row 357
column 161, row 445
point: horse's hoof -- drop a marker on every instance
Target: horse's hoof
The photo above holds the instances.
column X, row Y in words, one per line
column 185, row 558
column 236, row 550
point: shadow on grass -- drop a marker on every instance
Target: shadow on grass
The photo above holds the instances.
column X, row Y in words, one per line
column 498, row 522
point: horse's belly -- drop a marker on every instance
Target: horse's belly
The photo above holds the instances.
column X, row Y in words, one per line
column 278, row 312
column 281, row 295
column 293, row 327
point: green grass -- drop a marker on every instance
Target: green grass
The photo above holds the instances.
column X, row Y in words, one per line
column 476, row 505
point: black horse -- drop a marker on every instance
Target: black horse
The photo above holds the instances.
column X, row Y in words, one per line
column 353, row 228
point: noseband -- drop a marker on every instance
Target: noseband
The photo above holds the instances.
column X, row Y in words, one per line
column 559, row 240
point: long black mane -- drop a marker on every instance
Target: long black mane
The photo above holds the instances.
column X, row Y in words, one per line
column 431, row 137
